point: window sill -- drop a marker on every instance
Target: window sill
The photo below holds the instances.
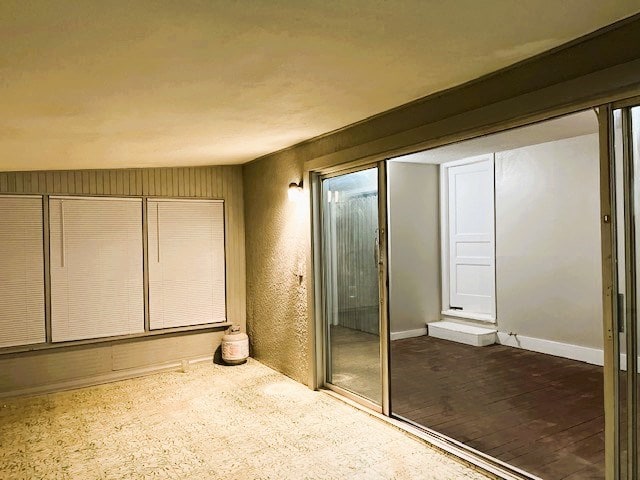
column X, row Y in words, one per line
column 119, row 339
column 483, row 317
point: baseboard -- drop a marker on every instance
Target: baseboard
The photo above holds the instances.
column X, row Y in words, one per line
column 100, row 379
column 590, row 355
column 418, row 332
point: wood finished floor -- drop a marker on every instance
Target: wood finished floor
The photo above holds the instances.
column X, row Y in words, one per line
column 538, row 412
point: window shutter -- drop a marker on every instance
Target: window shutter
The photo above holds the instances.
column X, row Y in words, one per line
column 21, row 271
column 96, row 267
column 186, row 262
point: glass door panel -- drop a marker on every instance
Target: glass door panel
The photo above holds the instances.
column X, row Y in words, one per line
column 350, row 282
column 500, row 385
column 633, row 331
column 626, row 128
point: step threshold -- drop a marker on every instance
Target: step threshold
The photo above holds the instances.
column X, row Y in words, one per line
column 458, row 332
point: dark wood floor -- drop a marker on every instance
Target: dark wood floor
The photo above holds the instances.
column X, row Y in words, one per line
column 540, row 413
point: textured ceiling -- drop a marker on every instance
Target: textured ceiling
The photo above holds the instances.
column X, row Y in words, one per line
column 166, row 83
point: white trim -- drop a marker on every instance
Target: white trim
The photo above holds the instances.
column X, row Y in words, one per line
column 468, row 160
column 418, row 332
column 104, row 378
column 590, row 355
column 593, row 356
column 444, row 237
column 444, row 234
column 472, row 316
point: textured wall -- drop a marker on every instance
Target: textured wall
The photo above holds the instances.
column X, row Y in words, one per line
column 34, row 371
column 275, row 244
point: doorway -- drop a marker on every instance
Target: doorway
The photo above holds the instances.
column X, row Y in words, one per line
column 350, row 237
column 520, row 379
column 533, row 379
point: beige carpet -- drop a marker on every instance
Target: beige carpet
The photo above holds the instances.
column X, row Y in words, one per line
column 213, row 422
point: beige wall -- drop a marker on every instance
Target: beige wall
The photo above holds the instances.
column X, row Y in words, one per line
column 414, row 245
column 276, row 245
column 38, row 371
column 548, row 264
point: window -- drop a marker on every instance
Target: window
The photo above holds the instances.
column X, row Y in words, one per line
column 186, row 262
column 96, row 267
column 21, row 271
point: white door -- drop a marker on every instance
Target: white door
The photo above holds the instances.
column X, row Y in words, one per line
column 472, row 237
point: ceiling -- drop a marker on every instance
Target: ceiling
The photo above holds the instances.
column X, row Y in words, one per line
column 568, row 126
column 95, row 84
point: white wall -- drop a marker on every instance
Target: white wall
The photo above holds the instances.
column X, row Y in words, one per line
column 548, row 265
column 414, row 245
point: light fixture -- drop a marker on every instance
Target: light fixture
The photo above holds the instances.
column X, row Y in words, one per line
column 295, row 190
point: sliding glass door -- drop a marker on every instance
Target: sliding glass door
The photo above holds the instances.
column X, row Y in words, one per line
column 626, row 153
column 523, row 382
column 495, row 298
column 351, row 259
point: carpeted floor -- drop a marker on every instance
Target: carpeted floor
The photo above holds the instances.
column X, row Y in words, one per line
column 212, row 422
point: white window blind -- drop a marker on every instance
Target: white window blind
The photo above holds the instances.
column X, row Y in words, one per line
column 96, row 267
column 21, row 271
column 186, row 262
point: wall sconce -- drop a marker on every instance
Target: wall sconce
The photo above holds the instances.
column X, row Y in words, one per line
column 295, row 191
